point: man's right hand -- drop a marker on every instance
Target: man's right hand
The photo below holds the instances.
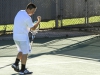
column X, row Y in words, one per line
column 39, row 18
column 36, row 25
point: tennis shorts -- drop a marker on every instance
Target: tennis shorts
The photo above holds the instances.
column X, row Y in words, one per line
column 23, row 46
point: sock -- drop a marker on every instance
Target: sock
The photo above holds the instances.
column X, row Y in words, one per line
column 17, row 61
column 22, row 67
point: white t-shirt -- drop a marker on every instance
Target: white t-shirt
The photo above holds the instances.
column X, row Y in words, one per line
column 22, row 25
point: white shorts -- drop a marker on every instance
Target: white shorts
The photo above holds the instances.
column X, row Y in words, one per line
column 23, row 46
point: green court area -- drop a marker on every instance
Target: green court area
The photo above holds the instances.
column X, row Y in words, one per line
column 51, row 23
column 56, row 56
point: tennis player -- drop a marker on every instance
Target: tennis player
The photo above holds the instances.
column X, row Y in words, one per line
column 22, row 25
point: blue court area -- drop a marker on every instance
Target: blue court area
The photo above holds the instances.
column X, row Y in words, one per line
column 56, row 56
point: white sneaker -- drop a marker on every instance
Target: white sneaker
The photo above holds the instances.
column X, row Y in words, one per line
column 25, row 72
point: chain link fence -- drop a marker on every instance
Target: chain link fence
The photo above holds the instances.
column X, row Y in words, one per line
column 8, row 11
column 93, row 15
column 81, row 14
column 73, row 15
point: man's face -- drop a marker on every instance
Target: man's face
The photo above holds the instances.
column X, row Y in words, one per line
column 32, row 11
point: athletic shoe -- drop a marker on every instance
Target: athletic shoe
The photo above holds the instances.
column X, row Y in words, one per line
column 25, row 72
column 16, row 68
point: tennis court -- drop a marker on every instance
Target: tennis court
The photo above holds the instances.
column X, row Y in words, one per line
column 56, row 56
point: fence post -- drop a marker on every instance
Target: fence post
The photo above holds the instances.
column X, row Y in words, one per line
column 86, row 12
column 5, row 27
column 56, row 21
column 61, row 12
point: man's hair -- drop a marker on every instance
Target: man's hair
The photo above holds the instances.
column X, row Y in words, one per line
column 30, row 6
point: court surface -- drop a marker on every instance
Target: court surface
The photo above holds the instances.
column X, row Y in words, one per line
column 56, row 56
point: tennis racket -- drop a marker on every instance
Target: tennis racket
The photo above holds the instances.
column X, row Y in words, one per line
column 33, row 34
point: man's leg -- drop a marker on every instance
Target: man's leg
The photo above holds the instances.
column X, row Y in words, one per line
column 16, row 64
column 23, row 65
column 19, row 56
column 23, row 61
column 25, row 51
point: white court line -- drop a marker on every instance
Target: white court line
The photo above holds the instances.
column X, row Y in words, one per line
column 51, row 63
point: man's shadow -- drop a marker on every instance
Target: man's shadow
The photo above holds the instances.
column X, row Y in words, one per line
column 20, row 74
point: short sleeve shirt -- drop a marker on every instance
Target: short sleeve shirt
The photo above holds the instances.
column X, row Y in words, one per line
column 22, row 25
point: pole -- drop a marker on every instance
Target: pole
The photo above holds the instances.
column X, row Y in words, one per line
column 56, row 21
column 86, row 12
column 61, row 12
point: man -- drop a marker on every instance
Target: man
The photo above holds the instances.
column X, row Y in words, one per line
column 22, row 25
